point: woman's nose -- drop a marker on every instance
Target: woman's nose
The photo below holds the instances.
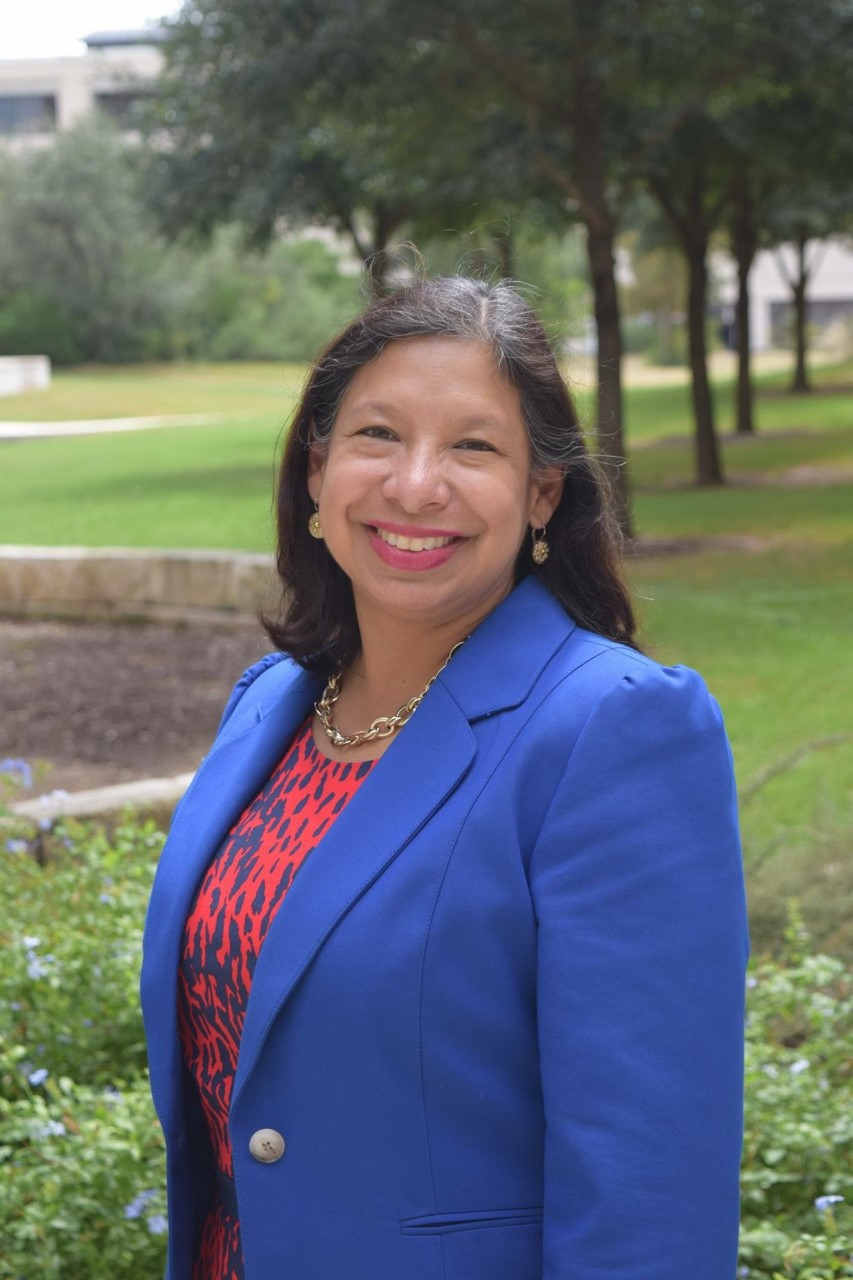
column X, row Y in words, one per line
column 417, row 480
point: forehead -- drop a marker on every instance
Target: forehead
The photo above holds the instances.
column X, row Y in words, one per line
column 454, row 375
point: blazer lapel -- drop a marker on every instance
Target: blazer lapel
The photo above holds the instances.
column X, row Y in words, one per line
column 227, row 780
column 416, row 773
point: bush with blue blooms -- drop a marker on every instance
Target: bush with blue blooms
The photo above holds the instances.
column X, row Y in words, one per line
column 81, row 1156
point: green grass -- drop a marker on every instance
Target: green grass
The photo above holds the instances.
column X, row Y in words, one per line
column 192, row 486
column 770, row 629
column 772, row 633
column 658, row 412
column 149, row 390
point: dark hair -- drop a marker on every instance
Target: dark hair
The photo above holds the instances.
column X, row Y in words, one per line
column 318, row 626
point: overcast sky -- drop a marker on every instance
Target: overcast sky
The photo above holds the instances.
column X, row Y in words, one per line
column 49, row 28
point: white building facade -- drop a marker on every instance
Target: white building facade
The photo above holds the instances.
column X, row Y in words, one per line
column 829, row 293
column 41, row 96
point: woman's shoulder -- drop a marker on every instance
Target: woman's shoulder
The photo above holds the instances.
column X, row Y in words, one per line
column 605, row 680
column 285, row 669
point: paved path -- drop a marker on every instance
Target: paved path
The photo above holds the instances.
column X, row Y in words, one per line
column 96, row 426
column 98, row 800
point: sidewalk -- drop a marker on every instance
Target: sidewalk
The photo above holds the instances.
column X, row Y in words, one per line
column 146, row 792
column 98, row 426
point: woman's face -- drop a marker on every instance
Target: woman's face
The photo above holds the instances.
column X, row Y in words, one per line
column 425, row 491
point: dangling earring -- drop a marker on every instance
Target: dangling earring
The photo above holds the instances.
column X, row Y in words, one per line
column 540, row 549
column 314, row 526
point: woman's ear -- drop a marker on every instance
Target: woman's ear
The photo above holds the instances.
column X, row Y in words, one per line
column 546, row 492
column 316, row 469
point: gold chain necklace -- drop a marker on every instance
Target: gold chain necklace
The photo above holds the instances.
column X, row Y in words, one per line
column 382, row 726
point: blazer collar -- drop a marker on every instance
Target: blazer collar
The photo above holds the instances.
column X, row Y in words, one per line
column 503, row 658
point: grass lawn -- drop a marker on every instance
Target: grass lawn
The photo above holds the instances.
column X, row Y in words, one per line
column 771, row 629
column 136, row 391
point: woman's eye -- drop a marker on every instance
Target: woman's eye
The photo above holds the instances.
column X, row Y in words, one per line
column 376, row 433
column 478, row 445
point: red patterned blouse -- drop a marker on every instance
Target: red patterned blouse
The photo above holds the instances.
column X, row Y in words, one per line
column 235, row 903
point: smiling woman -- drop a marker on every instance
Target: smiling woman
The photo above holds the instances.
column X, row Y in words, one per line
column 444, row 961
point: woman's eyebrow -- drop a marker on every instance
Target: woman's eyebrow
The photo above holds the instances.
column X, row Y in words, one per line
column 372, row 406
column 389, row 410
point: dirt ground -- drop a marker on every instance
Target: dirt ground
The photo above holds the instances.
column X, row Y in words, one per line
column 89, row 704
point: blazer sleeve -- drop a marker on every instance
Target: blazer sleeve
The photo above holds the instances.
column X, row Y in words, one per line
column 637, row 883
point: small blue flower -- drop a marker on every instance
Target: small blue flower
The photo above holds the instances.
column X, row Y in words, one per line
column 51, row 1129
column 157, row 1224
column 822, row 1203
column 802, row 1064
column 30, row 941
column 104, row 897
column 16, row 846
column 19, row 768
column 38, row 1077
column 137, row 1204
column 44, row 824
column 750, row 982
column 36, row 970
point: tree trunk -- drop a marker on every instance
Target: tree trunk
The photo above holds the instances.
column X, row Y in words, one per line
column 709, row 469
column 744, row 240
column 594, row 197
column 372, row 245
column 744, row 417
column 609, row 431
column 800, row 381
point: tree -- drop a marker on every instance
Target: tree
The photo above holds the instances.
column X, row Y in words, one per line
column 790, row 158
column 393, row 113
column 78, row 263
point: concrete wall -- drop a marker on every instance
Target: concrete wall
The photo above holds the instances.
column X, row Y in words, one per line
column 74, row 83
column 114, row 582
column 23, row 373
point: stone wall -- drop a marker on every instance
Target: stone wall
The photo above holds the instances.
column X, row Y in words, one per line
column 114, row 582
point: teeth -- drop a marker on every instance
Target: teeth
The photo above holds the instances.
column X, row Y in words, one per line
column 412, row 544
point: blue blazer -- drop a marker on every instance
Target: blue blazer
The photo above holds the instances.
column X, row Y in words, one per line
column 498, row 1018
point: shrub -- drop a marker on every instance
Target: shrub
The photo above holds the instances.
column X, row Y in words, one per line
column 82, row 1164
column 81, row 1155
column 795, row 1180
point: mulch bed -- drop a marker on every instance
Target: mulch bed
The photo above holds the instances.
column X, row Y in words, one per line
column 90, row 704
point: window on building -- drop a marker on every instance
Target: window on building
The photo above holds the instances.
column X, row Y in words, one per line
column 125, row 109
column 27, row 113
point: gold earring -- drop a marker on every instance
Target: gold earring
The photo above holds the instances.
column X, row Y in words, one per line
column 540, row 549
column 314, row 526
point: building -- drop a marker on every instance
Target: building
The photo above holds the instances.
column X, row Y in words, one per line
column 41, row 96
column 829, row 293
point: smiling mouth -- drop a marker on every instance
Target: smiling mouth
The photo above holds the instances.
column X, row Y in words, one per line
column 402, row 543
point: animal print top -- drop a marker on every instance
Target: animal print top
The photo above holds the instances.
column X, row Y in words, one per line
column 234, row 906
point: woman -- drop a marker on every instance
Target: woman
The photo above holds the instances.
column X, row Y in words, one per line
column 444, row 960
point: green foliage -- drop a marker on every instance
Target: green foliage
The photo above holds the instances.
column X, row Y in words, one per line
column 85, row 276
column 795, row 1182
column 72, row 242
column 33, row 324
column 279, row 305
column 81, row 1155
